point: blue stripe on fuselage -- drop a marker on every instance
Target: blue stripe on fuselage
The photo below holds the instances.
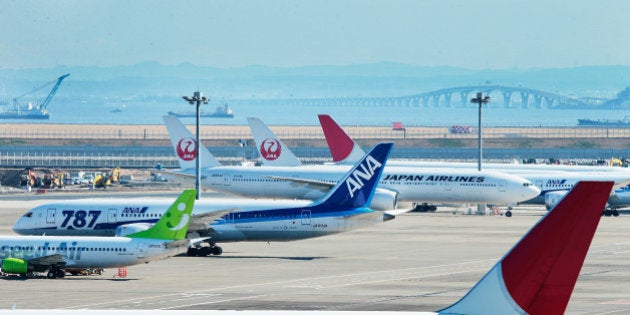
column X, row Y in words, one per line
column 287, row 214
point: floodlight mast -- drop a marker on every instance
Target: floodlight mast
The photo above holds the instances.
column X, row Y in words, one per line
column 197, row 99
column 480, row 99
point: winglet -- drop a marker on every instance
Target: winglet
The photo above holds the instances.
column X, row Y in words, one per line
column 173, row 224
column 342, row 148
column 538, row 275
column 357, row 187
column 184, row 144
column 272, row 150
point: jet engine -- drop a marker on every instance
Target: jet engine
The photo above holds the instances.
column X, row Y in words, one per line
column 553, row 197
column 17, row 266
column 384, row 199
column 127, row 229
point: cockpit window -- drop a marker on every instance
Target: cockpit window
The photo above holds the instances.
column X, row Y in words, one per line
column 28, row 215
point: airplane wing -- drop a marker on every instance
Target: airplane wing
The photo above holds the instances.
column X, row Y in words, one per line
column 180, row 174
column 314, row 184
column 44, row 262
column 185, row 243
column 202, row 221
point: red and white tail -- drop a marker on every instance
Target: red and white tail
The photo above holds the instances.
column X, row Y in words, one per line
column 273, row 152
column 538, row 275
column 185, row 146
column 342, row 148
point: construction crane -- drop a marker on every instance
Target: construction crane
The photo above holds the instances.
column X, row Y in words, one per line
column 33, row 111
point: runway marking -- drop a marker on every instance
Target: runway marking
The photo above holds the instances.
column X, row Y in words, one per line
column 219, row 301
column 617, row 302
column 624, row 310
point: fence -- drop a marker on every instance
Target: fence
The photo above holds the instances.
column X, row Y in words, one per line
column 156, row 132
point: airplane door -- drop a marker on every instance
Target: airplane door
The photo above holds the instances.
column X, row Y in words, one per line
column 142, row 250
column 502, row 185
column 50, row 216
column 306, row 217
column 111, row 216
column 230, row 217
column 227, row 180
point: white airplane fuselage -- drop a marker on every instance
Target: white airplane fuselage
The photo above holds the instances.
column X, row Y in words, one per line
column 291, row 224
column 548, row 178
column 88, row 252
column 101, row 217
column 411, row 184
column 248, row 219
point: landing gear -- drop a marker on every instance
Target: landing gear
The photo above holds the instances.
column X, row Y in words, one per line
column 508, row 214
column 424, row 207
column 54, row 273
column 216, row 251
column 203, row 251
column 610, row 212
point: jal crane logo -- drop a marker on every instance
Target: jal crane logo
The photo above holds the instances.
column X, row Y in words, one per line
column 270, row 149
column 187, row 149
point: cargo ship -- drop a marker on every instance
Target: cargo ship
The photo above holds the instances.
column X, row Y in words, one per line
column 220, row 112
column 26, row 113
column 31, row 111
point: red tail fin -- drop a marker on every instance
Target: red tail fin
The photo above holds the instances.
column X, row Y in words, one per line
column 541, row 271
column 538, row 275
column 339, row 143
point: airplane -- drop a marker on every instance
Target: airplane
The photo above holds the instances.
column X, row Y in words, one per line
column 342, row 209
column 344, row 150
column 554, row 181
column 537, row 276
column 23, row 255
column 312, row 181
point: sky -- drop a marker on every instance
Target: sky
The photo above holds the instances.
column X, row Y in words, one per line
column 499, row 34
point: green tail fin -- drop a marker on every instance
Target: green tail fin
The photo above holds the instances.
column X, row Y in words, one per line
column 173, row 225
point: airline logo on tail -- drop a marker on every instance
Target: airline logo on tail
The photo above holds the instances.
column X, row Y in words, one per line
column 270, row 149
column 187, row 149
column 365, row 171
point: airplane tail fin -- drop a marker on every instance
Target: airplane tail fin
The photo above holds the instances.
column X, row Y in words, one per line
column 357, row 187
column 185, row 145
column 272, row 150
column 342, row 148
column 173, row 224
column 538, row 275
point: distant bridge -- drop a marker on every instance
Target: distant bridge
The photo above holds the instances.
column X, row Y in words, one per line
column 456, row 97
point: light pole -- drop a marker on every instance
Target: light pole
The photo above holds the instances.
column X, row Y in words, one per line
column 198, row 99
column 480, row 99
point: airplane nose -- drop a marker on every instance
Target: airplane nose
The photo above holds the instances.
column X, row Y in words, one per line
column 17, row 228
column 388, row 217
column 532, row 192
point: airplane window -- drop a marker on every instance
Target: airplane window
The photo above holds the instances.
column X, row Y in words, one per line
column 28, row 214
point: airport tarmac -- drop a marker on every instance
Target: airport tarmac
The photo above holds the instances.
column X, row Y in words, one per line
column 417, row 262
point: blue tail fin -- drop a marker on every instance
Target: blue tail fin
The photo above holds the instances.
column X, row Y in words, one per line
column 357, row 187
